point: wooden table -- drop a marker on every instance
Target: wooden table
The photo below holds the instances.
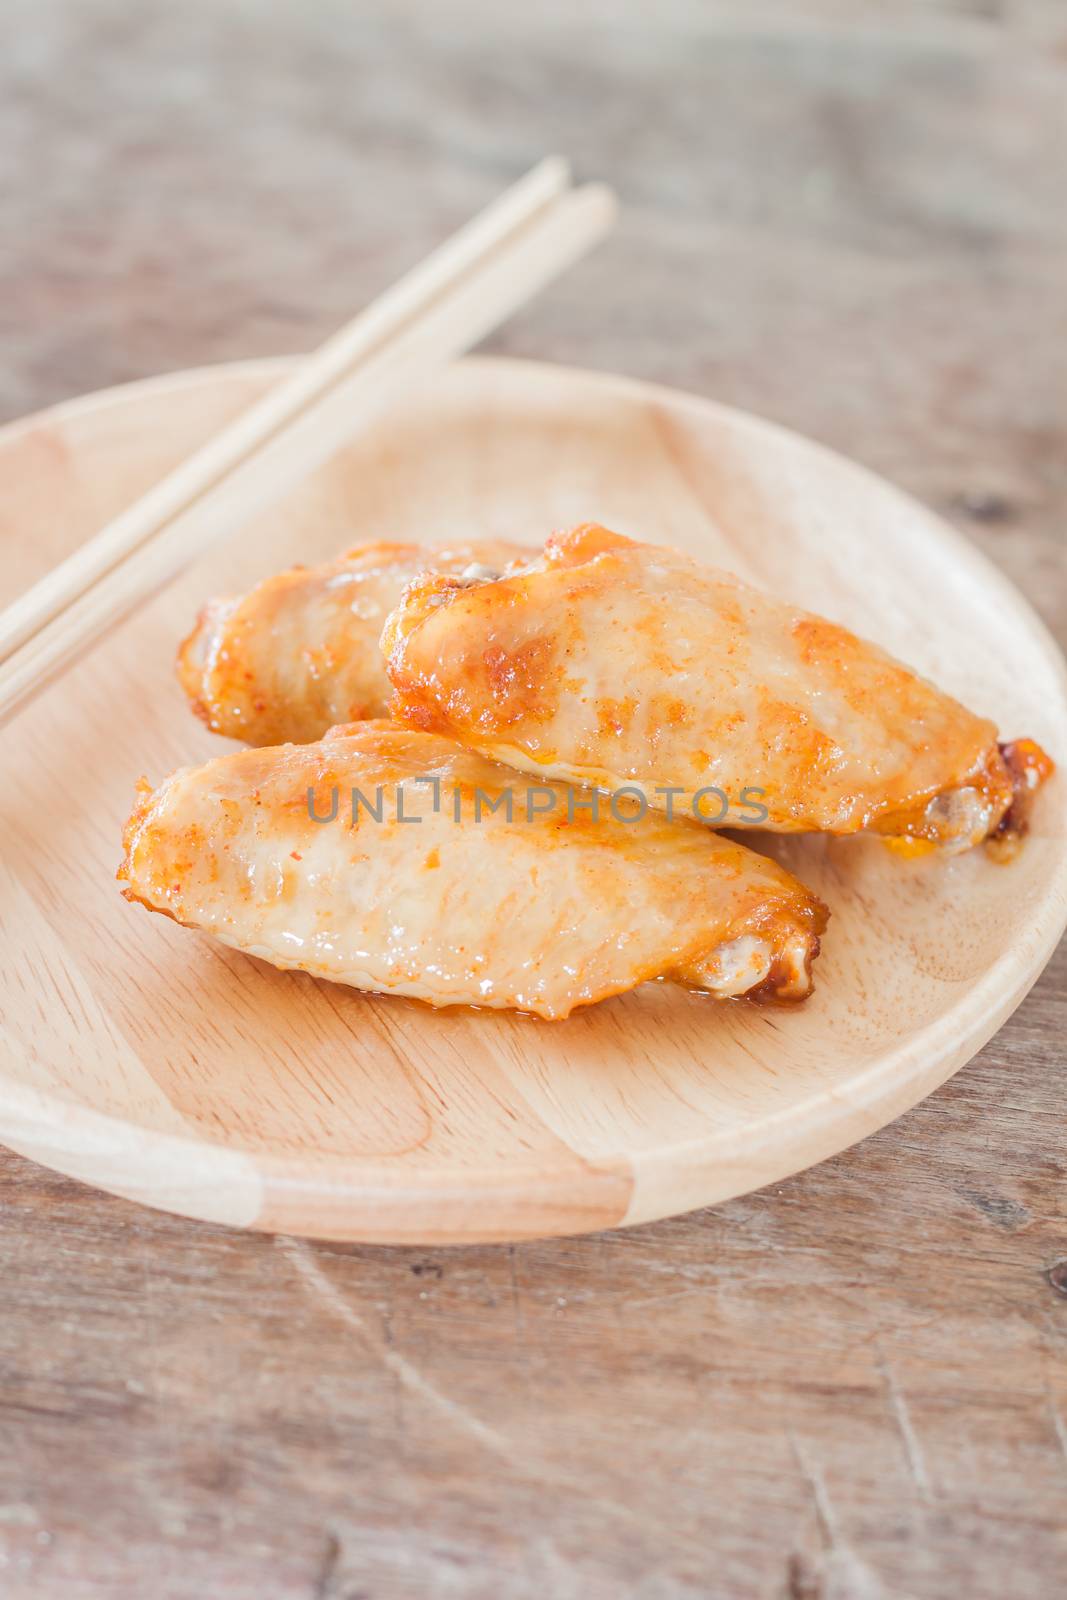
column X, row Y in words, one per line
column 850, row 217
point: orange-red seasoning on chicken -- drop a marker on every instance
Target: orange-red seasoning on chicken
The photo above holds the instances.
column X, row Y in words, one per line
column 732, row 688
column 542, row 913
column 299, row 652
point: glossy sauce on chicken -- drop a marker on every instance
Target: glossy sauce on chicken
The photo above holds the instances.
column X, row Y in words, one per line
column 609, row 662
column 413, row 885
column 299, row 652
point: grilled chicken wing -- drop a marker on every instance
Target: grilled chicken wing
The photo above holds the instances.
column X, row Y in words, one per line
column 543, row 910
column 299, row 653
column 613, row 663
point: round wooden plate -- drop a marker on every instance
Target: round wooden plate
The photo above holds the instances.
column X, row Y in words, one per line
column 145, row 1059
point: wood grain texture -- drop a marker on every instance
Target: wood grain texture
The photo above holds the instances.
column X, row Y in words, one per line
column 852, row 1383
column 172, row 1070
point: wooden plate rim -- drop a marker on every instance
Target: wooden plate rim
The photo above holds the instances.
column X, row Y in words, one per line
column 894, row 1082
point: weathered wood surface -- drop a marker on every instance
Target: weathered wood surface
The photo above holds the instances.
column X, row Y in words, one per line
column 848, row 217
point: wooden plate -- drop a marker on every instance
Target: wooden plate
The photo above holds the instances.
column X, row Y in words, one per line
column 144, row 1059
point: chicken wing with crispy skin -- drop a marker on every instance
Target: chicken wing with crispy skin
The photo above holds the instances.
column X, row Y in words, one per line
column 614, row 663
column 299, row 652
column 307, row 855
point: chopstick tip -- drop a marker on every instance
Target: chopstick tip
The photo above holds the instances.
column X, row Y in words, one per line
column 555, row 167
column 603, row 195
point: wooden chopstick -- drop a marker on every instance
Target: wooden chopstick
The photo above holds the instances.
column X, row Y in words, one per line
column 333, row 360
column 452, row 300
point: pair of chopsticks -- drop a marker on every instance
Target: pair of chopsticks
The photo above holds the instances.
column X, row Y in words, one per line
column 456, row 296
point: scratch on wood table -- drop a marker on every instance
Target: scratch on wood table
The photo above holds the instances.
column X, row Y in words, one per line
column 912, row 1448
column 302, row 1257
